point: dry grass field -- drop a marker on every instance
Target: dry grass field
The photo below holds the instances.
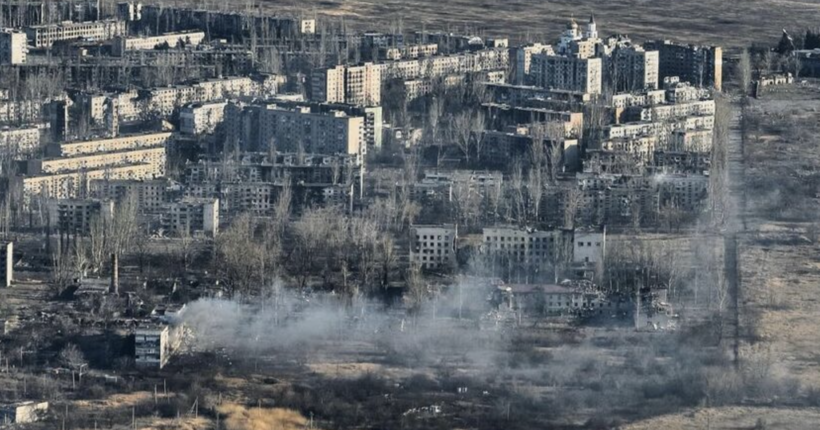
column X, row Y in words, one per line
column 733, row 418
column 780, row 259
column 729, row 23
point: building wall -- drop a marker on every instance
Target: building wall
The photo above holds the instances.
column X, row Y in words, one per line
column 698, row 65
column 433, row 247
column 12, row 47
column 122, row 44
column 201, row 118
column 567, row 73
column 42, row 36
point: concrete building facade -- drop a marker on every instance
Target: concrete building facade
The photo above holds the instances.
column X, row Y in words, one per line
column 43, row 36
column 13, row 48
column 433, row 247
column 568, row 73
column 699, row 65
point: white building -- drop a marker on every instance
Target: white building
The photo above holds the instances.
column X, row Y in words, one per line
column 12, row 47
column 19, row 142
column 122, row 44
column 43, row 36
column 589, row 246
column 201, row 118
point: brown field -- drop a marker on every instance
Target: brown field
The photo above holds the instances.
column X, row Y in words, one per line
column 732, row 418
column 729, row 23
column 780, row 268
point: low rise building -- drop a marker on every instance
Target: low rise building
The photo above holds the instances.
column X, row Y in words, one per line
column 155, row 344
column 23, row 413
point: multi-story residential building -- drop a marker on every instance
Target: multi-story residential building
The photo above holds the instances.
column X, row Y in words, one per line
column 569, row 73
column 500, row 148
column 438, row 66
column 523, row 61
column 165, row 101
column 611, row 199
column 433, row 247
column 685, row 192
column 21, row 142
column 699, row 65
column 201, row 118
column 43, row 36
column 75, row 216
column 191, row 216
column 632, row 68
column 681, row 162
column 150, row 195
column 357, row 85
column 121, row 44
column 527, row 248
column 442, row 185
column 408, row 52
column 160, row 19
column 500, row 116
column 292, row 129
column 69, row 167
column 12, row 47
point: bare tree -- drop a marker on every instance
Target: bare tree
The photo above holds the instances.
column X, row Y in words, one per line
column 73, row 358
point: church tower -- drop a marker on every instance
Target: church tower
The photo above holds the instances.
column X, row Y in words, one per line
column 592, row 29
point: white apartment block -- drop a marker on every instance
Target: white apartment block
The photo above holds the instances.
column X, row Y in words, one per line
column 357, row 85
column 523, row 60
column 443, row 65
column 164, row 101
column 72, row 166
column 43, row 36
column 90, row 147
column 201, row 118
column 433, row 247
column 122, row 44
column 410, row 52
column 567, row 73
column 12, row 47
column 19, row 142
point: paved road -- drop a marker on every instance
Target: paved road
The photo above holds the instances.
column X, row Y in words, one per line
column 735, row 224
